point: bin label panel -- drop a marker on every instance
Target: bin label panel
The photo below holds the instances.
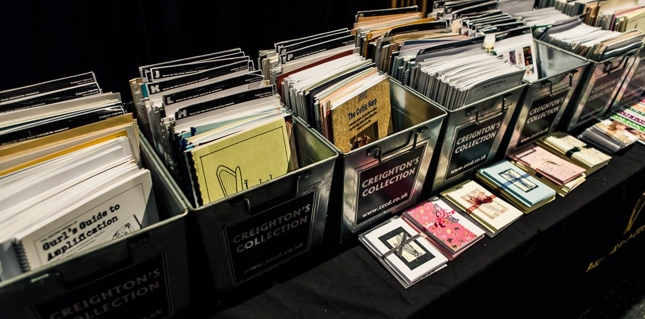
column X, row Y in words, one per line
column 137, row 291
column 388, row 185
column 472, row 145
column 265, row 240
column 540, row 117
column 601, row 94
column 636, row 85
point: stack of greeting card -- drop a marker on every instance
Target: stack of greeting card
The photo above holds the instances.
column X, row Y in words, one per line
column 610, row 136
column 449, row 230
column 403, row 251
column 556, row 172
column 575, row 150
column 517, row 186
column 492, row 212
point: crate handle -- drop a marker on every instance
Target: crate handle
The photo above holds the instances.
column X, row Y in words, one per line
column 550, row 86
column 121, row 256
column 504, row 99
column 42, row 277
column 503, row 110
column 247, row 202
column 574, row 71
column 625, row 59
column 305, row 175
column 476, row 113
column 377, row 153
column 609, row 66
column 417, row 132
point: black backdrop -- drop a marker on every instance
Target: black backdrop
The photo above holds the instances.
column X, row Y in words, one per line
column 43, row 40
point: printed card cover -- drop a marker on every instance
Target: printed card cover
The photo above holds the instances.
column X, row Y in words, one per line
column 122, row 208
column 443, row 224
column 635, row 125
column 548, row 164
column 362, row 119
column 401, row 248
column 524, row 187
column 616, row 131
column 239, row 161
column 484, row 206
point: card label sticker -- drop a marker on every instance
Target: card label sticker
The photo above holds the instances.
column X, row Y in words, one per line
column 52, row 97
column 45, row 87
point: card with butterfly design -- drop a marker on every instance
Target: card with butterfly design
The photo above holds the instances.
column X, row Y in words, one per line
column 444, row 225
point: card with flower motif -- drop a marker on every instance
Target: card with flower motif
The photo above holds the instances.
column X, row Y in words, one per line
column 443, row 224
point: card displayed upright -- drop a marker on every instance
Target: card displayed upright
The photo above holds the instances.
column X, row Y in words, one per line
column 403, row 251
column 363, row 117
column 231, row 164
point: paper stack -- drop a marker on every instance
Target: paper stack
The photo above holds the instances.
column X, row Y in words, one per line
column 493, row 213
column 552, row 170
column 518, row 187
column 575, row 150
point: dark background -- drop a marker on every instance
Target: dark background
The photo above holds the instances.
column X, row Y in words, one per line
column 44, row 40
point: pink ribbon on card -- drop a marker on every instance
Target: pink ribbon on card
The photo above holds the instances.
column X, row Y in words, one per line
column 441, row 215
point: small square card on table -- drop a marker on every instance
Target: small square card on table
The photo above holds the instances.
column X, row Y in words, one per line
column 403, row 250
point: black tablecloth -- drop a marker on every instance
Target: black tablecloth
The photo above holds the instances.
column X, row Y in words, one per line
column 542, row 266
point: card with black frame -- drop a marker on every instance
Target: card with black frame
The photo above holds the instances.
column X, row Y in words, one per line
column 403, row 251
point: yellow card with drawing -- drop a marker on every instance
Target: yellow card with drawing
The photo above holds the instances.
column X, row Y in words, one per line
column 239, row 161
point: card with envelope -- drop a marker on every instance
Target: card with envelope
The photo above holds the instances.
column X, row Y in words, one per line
column 492, row 212
column 450, row 231
column 517, row 186
column 403, row 251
